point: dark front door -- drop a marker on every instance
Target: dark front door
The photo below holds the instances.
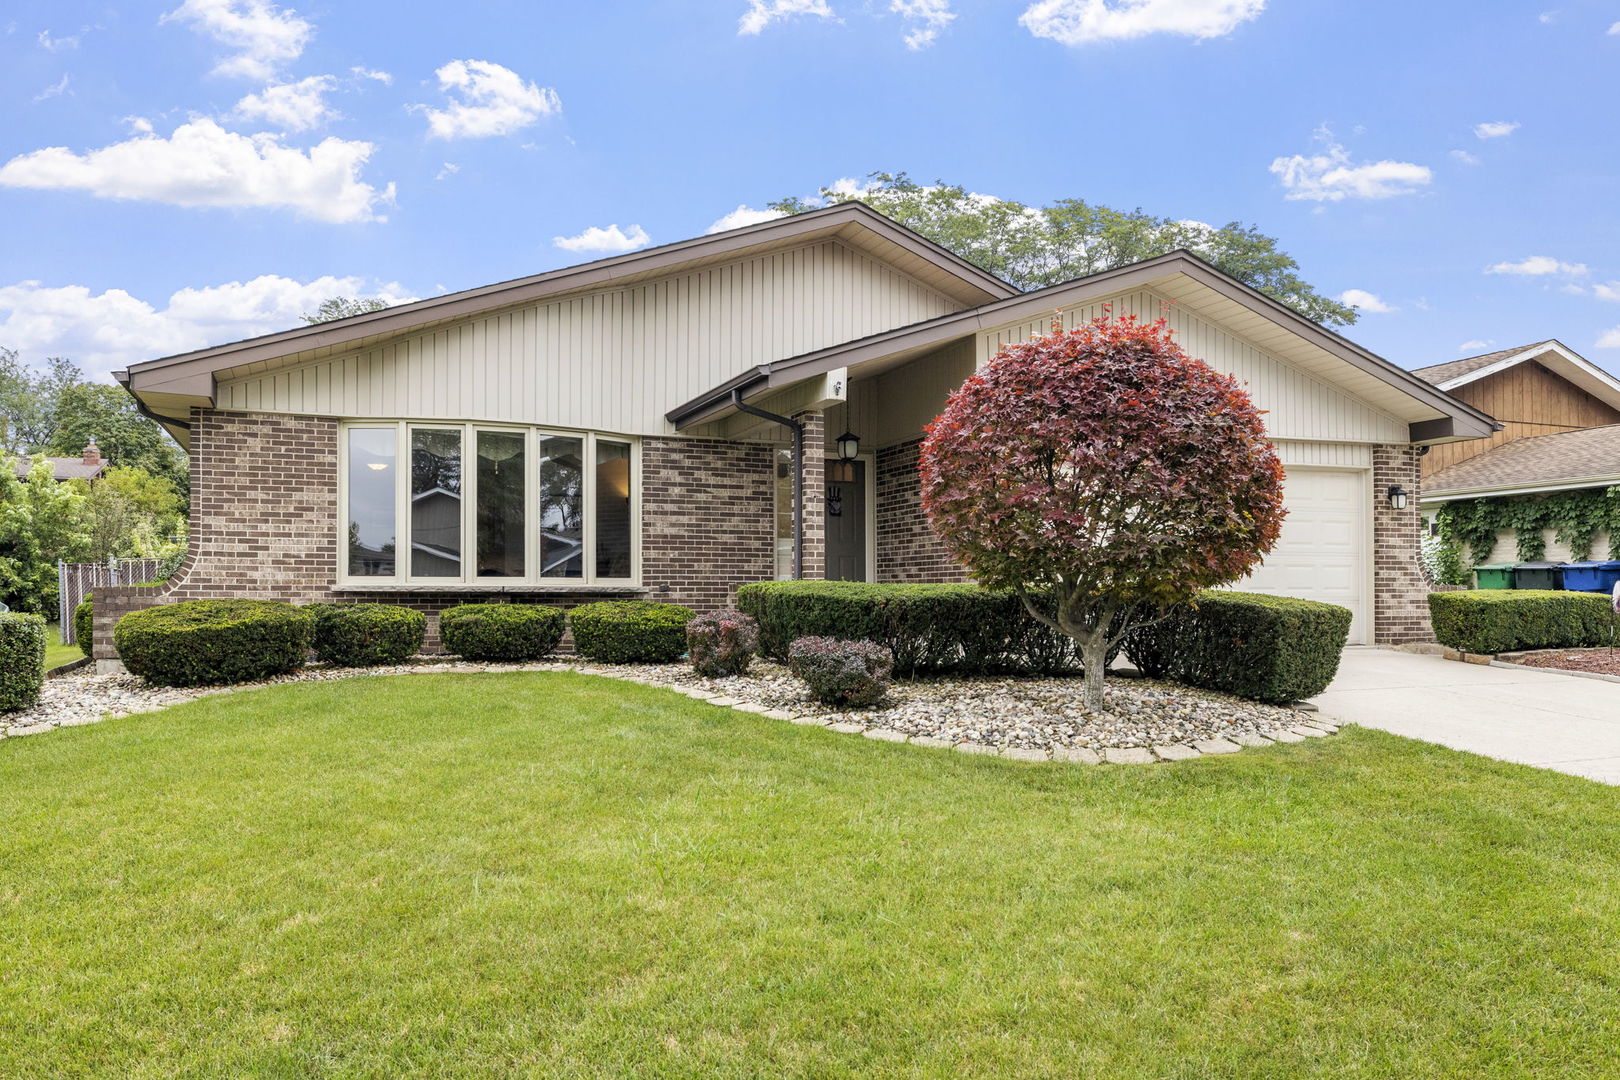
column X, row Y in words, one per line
column 846, row 521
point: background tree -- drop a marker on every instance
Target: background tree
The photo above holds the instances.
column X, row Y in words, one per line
column 1106, row 469
column 1032, row 247
column 131, row 513
column 342, row 307
column 30, row 401
column 86, row 410
column 41, row 521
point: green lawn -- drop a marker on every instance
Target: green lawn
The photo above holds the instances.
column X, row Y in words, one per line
column 555, row 875
column 56, row 653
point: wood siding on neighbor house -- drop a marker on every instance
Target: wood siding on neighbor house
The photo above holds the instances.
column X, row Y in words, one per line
column 1529, row 400
column 1298, row 406
column 612, row 360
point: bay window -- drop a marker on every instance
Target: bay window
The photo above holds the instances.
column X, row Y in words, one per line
column 488, row 504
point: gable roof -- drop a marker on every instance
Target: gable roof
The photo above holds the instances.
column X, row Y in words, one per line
column 1180, row 276
column 62, row 468
column 1551, row 354
column 1589, row 457
column 161, row 384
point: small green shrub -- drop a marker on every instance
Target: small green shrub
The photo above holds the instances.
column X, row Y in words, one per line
column 213, row 641
column 84, row 624
column 22, row 660
column 630, row 631
column 1492, row 621
column 842, row 673
column 1274, row 649
column 928, row 628
column 501, row 632
column 364, row 635
column 722, row 643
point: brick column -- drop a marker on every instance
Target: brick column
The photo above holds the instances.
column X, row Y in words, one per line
column 908, row 549
column 1400, row 593
column 815, row 493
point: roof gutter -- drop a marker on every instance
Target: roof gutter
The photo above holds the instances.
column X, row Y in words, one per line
column 141, row 407
column 1538, row 489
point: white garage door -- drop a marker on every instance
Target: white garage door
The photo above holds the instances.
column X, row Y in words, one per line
column 1322, row 554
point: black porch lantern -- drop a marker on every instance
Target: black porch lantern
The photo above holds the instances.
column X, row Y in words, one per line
column 1397, row 497
column 849, row 446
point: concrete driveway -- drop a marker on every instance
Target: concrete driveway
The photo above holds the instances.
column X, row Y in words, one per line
column 1559, row 722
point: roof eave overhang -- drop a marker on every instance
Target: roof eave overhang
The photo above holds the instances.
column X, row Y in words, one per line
column 1499, row 490
column 1558, row 358
column 1459, row 420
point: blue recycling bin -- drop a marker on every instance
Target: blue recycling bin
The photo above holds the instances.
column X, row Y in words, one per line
column 1596, row 576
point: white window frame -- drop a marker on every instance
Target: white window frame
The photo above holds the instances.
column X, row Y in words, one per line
column 469, row 579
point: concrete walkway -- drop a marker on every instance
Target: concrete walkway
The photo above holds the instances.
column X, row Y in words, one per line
column 1559, row 722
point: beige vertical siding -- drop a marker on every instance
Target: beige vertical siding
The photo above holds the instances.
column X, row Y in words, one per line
column 614, row 360
column 1298, row 405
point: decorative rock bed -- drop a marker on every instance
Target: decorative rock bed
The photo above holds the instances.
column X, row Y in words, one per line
column 1024, row 719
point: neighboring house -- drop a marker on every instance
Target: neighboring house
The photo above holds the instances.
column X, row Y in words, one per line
column 627, row 428
column 87, row 466
column 1560, row 417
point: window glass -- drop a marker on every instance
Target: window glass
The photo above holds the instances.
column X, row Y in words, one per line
column 372, row 526
column 435, row 503
column 562, row 506
column 500, row 504
column 784, row 515
column 612, row 509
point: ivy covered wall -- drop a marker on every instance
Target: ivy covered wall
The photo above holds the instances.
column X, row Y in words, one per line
column 1585, row 522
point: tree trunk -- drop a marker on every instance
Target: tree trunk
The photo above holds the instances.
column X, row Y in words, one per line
column 1094, row 657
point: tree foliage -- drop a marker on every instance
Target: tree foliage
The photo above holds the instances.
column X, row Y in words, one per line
column 1110, row 470
column 31, row 401
column 1032, row 247
column 343, row 307
column 107, row 414
column 41, row 521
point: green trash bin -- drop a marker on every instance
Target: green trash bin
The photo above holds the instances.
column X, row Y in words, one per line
column 1496, row 575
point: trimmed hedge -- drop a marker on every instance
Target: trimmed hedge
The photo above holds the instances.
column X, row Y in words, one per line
column 1494, row 621
column 22, row 660
column 630, row 631
column 1274, row 649
column 927, row 628
column 722, row 643
column 213, row 641
column 84, row 624
column 364, row 635
column 852, row 673
column 501, row 631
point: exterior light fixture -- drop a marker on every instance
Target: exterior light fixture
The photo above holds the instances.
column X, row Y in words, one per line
column 849, row 446
column 1397, row 497
column 376, row 466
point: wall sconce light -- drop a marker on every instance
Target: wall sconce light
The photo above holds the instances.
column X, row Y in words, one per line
column 1397, row 497
column 849, row 446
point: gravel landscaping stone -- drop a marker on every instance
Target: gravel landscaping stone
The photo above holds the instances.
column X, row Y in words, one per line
column 1024, row 719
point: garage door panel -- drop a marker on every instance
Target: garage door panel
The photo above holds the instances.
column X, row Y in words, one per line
column 1322, row 552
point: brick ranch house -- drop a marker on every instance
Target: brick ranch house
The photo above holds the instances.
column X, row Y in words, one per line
column 665, row 424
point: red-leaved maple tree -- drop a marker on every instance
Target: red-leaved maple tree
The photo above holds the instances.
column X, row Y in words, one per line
column 1106, row 476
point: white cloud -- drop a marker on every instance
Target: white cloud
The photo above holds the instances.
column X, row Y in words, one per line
column 1609, row 291
column 743, row 215
column 487, row 99
column 1464, row 157
column 367, row 73
column 112, row 329
column 1077, row 22
column 1496, row 129
column 1548, row 16
column 1366, row 301
column 926, row 19
column 202, row 164
column 1331, row 176
column 296, row 106
column 57, row 44
column 1614, row 31
column 761, row 13
column 263, row 36
column 611, row 240
column 1610, row 339
column 56, row 89
column 1537, row 266
column 1474, row 346
column 448, row 169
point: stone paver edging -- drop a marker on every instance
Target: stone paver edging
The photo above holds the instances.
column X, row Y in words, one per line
column 1309, row 726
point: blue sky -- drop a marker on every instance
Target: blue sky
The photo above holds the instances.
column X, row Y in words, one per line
column 195, row 171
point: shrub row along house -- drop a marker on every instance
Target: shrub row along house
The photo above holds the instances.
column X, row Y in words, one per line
column 676, row 422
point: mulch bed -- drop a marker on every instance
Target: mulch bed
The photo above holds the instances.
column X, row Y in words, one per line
column 1603, row 661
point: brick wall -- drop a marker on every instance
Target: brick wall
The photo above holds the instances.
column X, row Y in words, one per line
column 1400, row 593
column 908, row 549
column 815, row 493
column 264, row 523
